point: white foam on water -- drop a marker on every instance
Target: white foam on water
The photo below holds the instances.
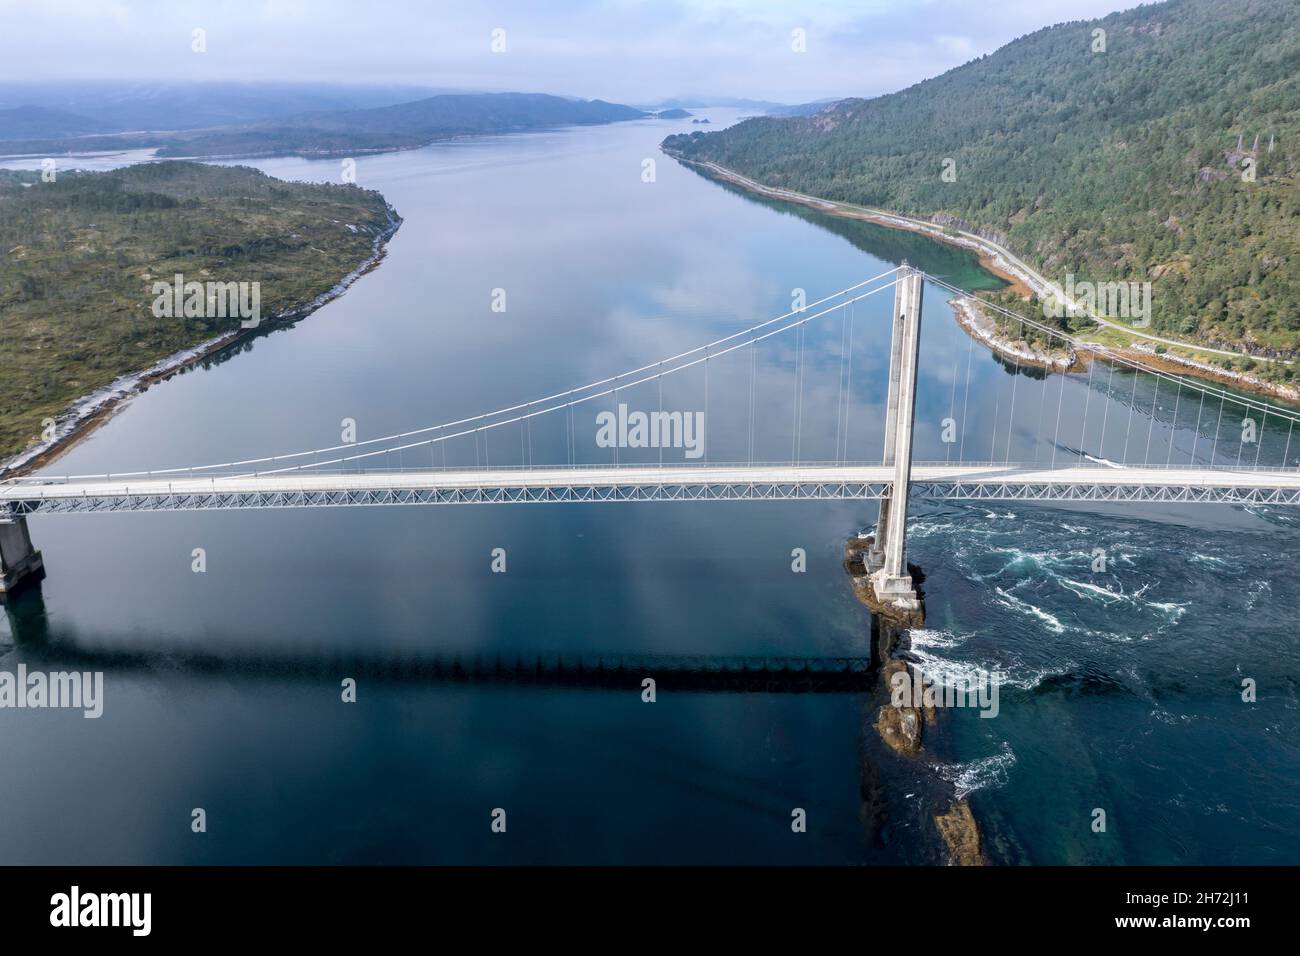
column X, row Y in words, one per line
column 1113, row 636
column 1171, row 609
column 929, row 637
column 1019, row 560
column 944, row 672
column 1014, row 603
column 982, row 774
column 1085, row 589
column 1105, row 461
column 1257, row 591
column 923, row 529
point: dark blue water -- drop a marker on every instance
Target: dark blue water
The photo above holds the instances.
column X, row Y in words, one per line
column 1122, row 689
column 223, row 688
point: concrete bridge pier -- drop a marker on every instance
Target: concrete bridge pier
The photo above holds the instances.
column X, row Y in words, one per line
column 890, row 582
column 19, row 561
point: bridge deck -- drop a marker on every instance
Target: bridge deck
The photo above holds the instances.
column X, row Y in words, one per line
column 647, row 483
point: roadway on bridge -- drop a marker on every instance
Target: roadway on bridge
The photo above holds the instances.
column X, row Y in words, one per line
column 989, row 482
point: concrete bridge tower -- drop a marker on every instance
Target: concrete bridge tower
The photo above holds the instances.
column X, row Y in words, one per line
column 18, row 559
column 886, row 560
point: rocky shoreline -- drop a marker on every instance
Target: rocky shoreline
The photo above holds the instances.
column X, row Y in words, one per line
column 1180, row 364
column 976, row 324
column 90, row 411
column 903, row 728
column 981, row 328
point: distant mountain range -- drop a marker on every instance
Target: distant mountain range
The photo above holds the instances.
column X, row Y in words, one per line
column 731, row 102
column 42, row 122
column 803, row 109
column 322, row 132
column 403, row 125
column 756, row 107
column 125, row 107
column 261, row 119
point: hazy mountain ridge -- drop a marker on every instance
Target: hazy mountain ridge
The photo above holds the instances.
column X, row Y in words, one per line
column 803, row 109
column 32, row 122
column 122, row 107
column 733, row 102
column 404, row 125
column 342, row 132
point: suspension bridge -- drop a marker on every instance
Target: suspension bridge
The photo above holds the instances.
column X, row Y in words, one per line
column 1213, row 440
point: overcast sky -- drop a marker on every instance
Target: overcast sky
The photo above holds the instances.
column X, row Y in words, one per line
column 637, row 51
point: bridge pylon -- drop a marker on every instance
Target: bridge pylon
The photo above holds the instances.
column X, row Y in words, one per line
column 19, row 561
column 886, row 560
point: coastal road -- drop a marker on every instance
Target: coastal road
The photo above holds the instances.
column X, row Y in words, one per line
column 1013, row 263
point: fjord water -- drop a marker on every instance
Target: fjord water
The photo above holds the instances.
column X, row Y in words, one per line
column 1122, row 692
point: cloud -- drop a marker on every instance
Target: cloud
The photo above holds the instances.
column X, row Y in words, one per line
column 629, row 50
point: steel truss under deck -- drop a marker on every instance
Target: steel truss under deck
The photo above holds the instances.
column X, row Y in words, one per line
column 218, row 500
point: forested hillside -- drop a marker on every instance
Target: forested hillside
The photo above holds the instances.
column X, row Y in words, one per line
column 80, row 256
column 1114, row 165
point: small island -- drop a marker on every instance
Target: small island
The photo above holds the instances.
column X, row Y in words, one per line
column 89, row 257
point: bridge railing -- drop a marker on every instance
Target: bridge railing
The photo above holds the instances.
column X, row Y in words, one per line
column 996, row 467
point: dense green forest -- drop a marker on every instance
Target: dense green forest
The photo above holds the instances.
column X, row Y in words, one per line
column 81, row 253
column 1120, row 164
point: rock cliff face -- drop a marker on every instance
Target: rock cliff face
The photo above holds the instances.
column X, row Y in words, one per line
column 984, row 232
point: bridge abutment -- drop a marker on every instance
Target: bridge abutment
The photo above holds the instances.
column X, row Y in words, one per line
column 19, row 561
column 886, row 562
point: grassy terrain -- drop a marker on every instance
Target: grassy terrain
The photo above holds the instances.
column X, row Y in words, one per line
column 1117, row 165
column 78, row 258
